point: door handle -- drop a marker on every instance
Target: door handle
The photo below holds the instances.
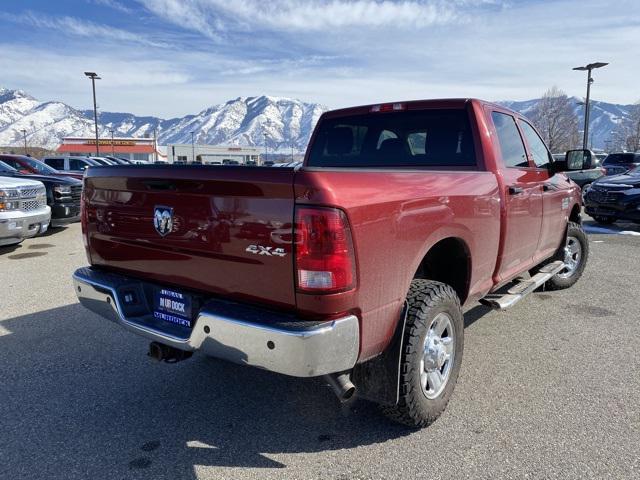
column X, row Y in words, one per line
column 548, row 188
column 515, row 190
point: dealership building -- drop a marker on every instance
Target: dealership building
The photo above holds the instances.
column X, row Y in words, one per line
column 145, row 149
column 125, row 147
column 210, row 154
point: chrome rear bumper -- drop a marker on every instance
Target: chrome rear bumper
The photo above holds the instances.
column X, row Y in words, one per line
column 302, row 350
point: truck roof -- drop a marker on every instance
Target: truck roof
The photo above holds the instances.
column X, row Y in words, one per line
column 414, row 105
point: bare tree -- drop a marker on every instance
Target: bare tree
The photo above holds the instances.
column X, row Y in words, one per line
column 556, row 120
column 627, row 135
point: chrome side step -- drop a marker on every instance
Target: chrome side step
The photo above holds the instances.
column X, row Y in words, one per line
column 523, row 288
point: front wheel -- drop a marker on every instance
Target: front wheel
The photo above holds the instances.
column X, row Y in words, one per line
column 431, row 354
column 574, row 254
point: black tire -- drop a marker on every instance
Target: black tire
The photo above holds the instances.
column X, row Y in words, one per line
column 426, row 300
column 561, row 280
column 604, row 220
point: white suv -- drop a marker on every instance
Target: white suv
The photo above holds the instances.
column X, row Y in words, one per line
column 23, row 209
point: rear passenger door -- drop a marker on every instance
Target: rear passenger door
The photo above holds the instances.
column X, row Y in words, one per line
column 522, row 196
column 77, row 165
column 555, row 199
column 57, row 163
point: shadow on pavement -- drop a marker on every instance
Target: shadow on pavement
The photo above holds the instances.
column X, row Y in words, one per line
column 6, row 249
column 594, row 228
column 28, row 243
column 474, row 314
column 82, row 400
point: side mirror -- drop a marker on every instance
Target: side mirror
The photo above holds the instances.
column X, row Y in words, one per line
column 579, row 159
column 574, row 160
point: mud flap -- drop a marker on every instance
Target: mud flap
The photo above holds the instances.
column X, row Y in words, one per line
column 378, row 379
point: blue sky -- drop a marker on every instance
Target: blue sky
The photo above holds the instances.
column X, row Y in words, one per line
column 173, row 57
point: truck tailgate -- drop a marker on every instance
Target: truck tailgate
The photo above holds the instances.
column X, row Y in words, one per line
column 224, row 230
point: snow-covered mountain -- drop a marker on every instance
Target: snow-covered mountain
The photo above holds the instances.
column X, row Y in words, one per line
column 244, row 121
column 45, row 123
column 603, row 119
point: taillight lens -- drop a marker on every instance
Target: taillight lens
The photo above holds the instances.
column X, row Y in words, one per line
column 325, row 260
column 84, row 221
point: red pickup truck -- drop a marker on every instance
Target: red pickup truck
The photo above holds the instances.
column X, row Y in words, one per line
column 355, row 265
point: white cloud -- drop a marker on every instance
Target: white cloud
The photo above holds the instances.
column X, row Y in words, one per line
column 325, row 52
column 318, row 15
column 79, row 27
column 130, row 81
column 211, row 17
column 186, row 14
column 113, row 4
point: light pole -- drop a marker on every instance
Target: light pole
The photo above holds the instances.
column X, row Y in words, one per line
column 588, row 68
column 155, row 145
column 193, row 149
column 266, row 148
column 94, row 76
column 112, row 150
column 24, row 135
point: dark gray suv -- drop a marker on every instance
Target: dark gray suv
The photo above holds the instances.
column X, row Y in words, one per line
column 617, row 163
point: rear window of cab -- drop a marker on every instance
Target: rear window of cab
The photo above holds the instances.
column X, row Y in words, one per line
column 423, row 138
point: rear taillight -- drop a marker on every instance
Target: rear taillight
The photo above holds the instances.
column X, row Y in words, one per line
column 325, row 260
column 84, row 225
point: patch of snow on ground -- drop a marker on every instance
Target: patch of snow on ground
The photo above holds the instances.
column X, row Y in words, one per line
column 610, row 231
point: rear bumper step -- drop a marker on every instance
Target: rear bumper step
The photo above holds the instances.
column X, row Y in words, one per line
column 306, row 349
column 523, row 288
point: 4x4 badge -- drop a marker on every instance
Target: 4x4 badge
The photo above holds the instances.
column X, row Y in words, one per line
column 163, row 220
column 268, row 251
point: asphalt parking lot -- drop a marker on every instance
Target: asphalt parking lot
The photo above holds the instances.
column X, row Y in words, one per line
column 549, row 389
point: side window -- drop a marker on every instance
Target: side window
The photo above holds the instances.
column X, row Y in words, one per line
column 75, row 164
column 12, row 163
column 57, row 163
column 511, row 146
column 384, row 135
column 418, row 143
column 541, row 156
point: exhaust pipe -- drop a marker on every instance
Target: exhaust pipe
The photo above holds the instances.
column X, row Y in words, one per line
column 167, row 354
column 341, row 385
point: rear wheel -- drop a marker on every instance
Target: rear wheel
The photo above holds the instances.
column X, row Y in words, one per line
column 431, row 355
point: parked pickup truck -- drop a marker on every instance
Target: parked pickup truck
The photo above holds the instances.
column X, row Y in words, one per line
column 23, row 210
column 63, row 192
column 355, row 265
